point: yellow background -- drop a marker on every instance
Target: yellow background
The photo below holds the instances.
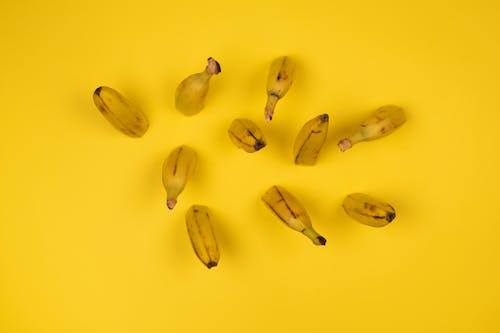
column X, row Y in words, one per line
column 87, row 244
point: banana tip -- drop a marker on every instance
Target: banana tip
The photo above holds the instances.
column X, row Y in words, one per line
column 171, row 203
column 98, row 91
column 321, row 240
column 259, row 145
column 390, row 216
column 211, row 264
column 324, row 118
column 344, row 144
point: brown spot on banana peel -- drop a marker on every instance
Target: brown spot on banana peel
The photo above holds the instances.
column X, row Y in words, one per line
column 239, row 140
column 305, row 141
column 286, row 204
column 177, row 160
column 275, row 212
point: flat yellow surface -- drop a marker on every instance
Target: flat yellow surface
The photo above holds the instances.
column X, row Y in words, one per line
column 87, row 244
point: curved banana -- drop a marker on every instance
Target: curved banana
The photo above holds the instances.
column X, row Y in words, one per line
column 279, row 80
column 245, row 134
column 367, row 210
column 123, row 115
column 291, row 212
column 383, row 122
column 177, row 169
column 201, row 233
column 191, row 92
column 310, row 140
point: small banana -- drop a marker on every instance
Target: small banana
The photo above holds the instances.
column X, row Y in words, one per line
column 367, row 210
column 123, row 115
column 278, row 82
column 201, row 232
column 291, row 212
column 310, row 140
column 245, row 134
column 177, row 169
column 383, row 122
column 191, row 92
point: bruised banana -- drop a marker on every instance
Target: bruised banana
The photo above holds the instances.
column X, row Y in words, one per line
column 177, row 169
column 291, row 212
column 245, row 134
column 279, row 80
column 201, row 233
column 191, row 92
column 383, row 122
column 123, row 115
column 310, row 140
column 367, row 210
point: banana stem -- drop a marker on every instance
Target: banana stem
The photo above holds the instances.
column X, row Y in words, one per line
column 171, row 203
column 272, row 99
column 347, row 143
column 314, row 236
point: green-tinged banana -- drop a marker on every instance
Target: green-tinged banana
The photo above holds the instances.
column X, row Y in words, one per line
column 201, row 232
column 310, row 140
column 177, row 169
column 367, row 210
column 191, row 92
column 383, row 122
column 123, row 115
column 245, row 134
column 278, row 82
column 291, row 212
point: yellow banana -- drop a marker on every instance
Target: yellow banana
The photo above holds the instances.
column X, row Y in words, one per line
column 177, row 169
column 191, row 92
column 291, row 212
column 245, row 134
column 310, row 140
column 383, row 122
column 201, row 233
column 367, row 210
column 123, row 115
column 279, row 80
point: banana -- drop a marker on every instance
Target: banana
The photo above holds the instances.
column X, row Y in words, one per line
column 245, row 134
column 177, row 169
column 367, row 210
column 383, row 122
column 310, row 140
column 191, row 92
column 201, row 233
column 123, row 115
column 279, row 80
column 291, row 212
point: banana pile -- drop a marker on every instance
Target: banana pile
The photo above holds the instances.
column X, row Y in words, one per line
column 180, row 165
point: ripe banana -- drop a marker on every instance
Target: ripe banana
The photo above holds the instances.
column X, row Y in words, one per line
column 245, row 134
column 278, row 82
column 291, row 212
column 383, row 122
column 191, row 92
column 177, row 169
column 123, row 115
column 201, row 232
column 310, row 140
column 367, row 210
